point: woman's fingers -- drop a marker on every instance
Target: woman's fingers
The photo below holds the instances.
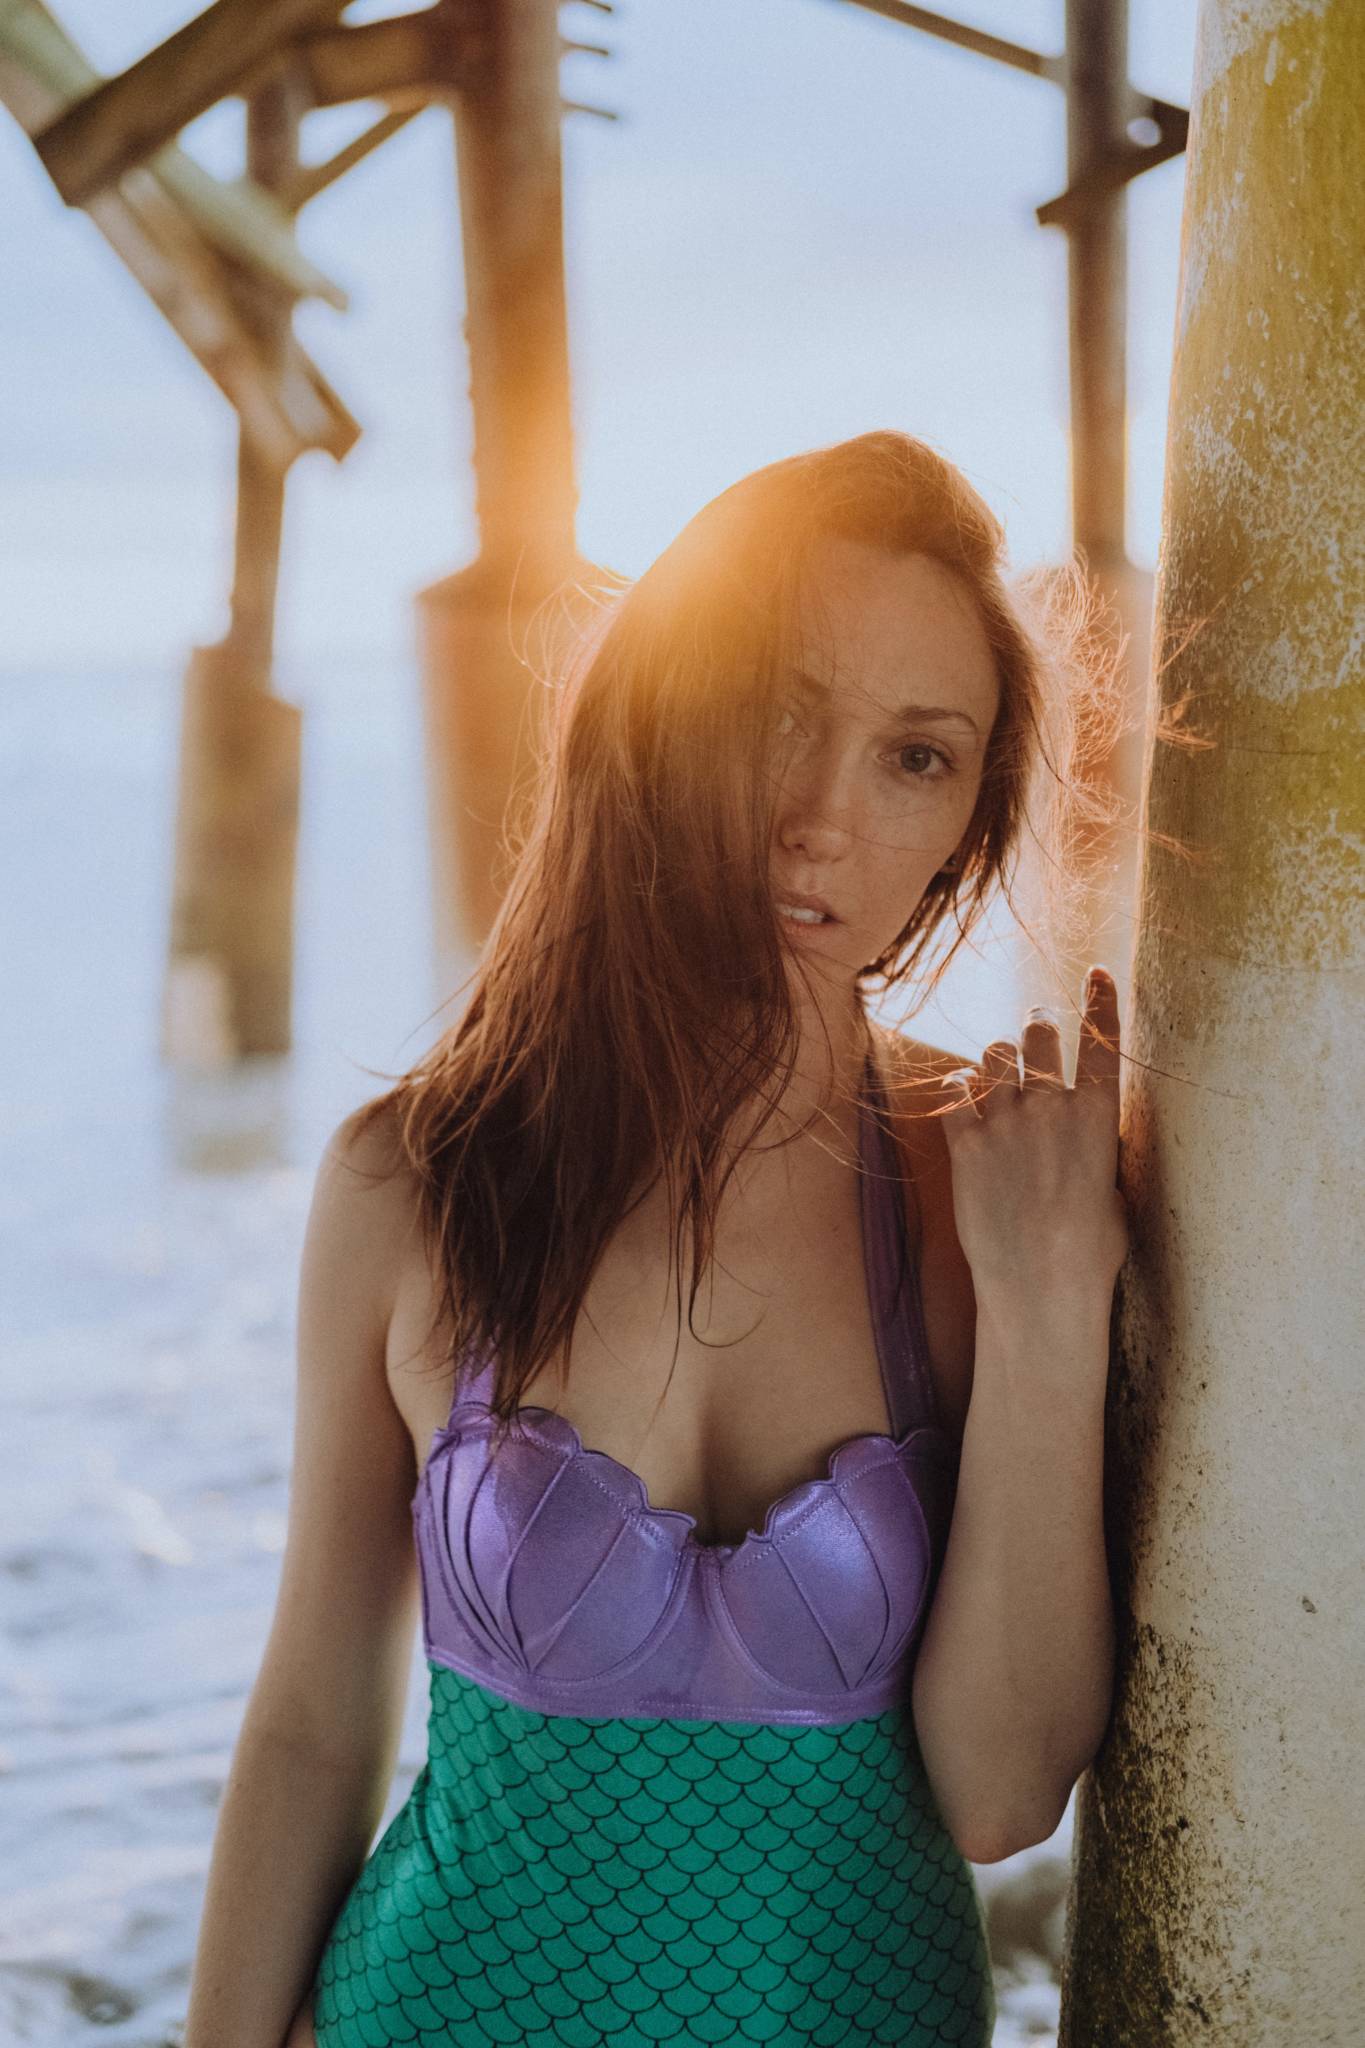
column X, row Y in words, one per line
column 970, row 1090
column 1097, row 1052
column 1000, row 1066
column 1042, row 1049
column 960, row 1090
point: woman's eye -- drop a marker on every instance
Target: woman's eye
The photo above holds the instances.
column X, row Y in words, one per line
column 932, row 754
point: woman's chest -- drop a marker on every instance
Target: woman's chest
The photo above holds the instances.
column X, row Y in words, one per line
column 724, row 1402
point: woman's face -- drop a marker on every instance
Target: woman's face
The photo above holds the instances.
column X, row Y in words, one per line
column 879, row 749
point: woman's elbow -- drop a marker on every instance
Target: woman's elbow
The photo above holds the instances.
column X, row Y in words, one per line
column 987, row 1837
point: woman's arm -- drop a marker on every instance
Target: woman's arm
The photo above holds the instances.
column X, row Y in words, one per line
column 293, row 1832
column 1013, row 1676
column 1013, row 1680
column 319, row 1739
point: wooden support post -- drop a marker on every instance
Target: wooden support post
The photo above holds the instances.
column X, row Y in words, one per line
column 1097, row 292
column 273, row 120
column 227, row 993
column 482, row 707
column 230, row 977
column 1093, row 213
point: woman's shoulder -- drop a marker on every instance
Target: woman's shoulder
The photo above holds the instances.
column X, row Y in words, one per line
column 365, row 1210
column 368, row 1140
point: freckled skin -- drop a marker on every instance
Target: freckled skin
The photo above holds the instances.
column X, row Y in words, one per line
column 871, row 803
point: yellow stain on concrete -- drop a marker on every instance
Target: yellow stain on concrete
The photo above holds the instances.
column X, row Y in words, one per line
column 1265, row 506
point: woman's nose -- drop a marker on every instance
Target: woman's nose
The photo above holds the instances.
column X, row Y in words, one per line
column 816, row 814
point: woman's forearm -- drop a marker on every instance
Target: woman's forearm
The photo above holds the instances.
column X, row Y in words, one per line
column 1013, row 1681
column 294, row 1829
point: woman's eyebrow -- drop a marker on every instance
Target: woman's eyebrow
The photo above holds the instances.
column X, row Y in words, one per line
column 903, row 713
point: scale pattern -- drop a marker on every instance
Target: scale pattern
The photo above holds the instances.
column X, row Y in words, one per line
column 556, row 1882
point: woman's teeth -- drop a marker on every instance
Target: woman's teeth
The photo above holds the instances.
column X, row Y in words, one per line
column 803, row 916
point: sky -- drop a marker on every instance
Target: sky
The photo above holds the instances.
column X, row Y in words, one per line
column 809, row 221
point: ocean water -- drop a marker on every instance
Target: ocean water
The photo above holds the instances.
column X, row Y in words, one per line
column 150, row 1229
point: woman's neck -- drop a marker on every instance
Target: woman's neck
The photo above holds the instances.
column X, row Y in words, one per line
column 820, row 1098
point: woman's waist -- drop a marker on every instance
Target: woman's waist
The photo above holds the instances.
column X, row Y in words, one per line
column 501, row 1769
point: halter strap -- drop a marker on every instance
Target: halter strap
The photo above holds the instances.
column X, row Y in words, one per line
column 893, row 1279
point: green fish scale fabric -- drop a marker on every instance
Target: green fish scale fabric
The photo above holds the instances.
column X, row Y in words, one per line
column 567, row 1882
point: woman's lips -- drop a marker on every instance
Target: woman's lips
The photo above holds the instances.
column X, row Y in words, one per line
column 799, row 915
column 800, row 900
column 803, row 929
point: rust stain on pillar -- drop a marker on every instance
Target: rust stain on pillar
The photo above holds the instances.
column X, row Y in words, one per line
column 1220, row 1859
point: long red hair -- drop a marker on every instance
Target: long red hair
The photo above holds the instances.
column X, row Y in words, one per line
column 632, row 1001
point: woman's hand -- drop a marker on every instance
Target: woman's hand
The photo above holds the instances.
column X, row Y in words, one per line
column 1035, row 1164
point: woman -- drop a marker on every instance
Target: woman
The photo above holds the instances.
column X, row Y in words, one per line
column 729, row 1679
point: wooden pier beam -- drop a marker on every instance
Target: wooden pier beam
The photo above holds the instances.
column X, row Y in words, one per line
column 122, row 121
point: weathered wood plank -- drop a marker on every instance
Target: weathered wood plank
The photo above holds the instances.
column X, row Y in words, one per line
column 314, row 178
column 408, row 58
column 122, row 121
column 197, row 290
column 241, row 219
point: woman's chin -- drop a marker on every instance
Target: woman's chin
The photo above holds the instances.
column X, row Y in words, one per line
column 829, row 955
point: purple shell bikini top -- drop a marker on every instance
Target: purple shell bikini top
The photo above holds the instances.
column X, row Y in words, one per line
column 548, row 1577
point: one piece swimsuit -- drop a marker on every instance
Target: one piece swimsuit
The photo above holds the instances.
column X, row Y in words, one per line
column 673, row 1792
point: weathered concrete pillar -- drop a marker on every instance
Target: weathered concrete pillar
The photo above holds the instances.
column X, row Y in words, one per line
column 1218, row 1890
